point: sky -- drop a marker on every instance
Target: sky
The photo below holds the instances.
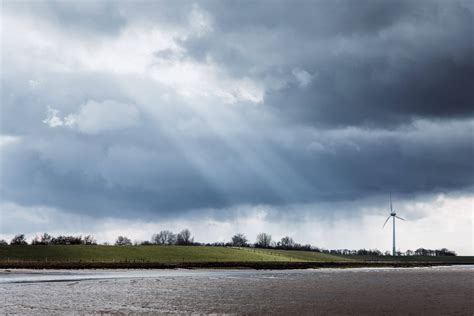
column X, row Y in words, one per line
column 288, row 117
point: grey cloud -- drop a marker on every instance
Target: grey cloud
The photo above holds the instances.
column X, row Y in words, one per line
column 26, row 106
column 82, row 18
column 124, row 179
column 354, row 96
column 320, row 18
column 379, row 63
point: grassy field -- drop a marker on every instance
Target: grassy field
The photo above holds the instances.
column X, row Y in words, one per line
column 301, row 256
column 88, row 257
column 164, row 254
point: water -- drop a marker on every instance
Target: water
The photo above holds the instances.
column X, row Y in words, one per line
column 430, row 291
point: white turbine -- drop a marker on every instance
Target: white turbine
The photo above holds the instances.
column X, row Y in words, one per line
column 393, row 215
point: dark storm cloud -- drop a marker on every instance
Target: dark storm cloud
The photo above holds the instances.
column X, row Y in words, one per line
column 375, row 63
column 315, row 18
column 356, row 95
column 360, row 98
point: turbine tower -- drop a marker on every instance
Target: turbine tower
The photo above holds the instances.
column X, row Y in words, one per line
column 393, row 214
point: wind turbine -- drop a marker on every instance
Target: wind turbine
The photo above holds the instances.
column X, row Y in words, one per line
column 393, row 215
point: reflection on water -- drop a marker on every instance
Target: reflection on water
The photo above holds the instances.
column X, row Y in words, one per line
column 435, row 290
column 33, row 276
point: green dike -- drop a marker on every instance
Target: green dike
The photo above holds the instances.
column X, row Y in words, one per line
column 299, row 256
column 193, row 254
column 162, row 254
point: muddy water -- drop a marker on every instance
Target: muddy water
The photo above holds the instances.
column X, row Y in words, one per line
column 428, row 291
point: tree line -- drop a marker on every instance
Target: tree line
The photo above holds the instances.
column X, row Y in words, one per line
column 164, row 237
column 184, row 238
column 47, row 239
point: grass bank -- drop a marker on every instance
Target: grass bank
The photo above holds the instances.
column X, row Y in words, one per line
column 84, row 257
column 161, row 254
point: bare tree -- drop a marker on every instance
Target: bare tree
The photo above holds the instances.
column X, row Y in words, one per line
column 287, row 242
column 421, row 252
column 263, row 240
column 445, row 252
column 44, row 239
column 35, row 241
column 123, row 241
column 89, row 240
column 164, row 237
column 184, row 237
column 156, row 239
column 239, row 240
column 19, row 240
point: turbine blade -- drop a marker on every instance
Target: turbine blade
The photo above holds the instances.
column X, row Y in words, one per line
column 386, row 221
column 391, row 209
column 400, row 218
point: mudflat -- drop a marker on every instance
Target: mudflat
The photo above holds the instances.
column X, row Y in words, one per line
column 387, row 291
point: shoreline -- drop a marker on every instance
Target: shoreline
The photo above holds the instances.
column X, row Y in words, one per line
column 35, row 265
